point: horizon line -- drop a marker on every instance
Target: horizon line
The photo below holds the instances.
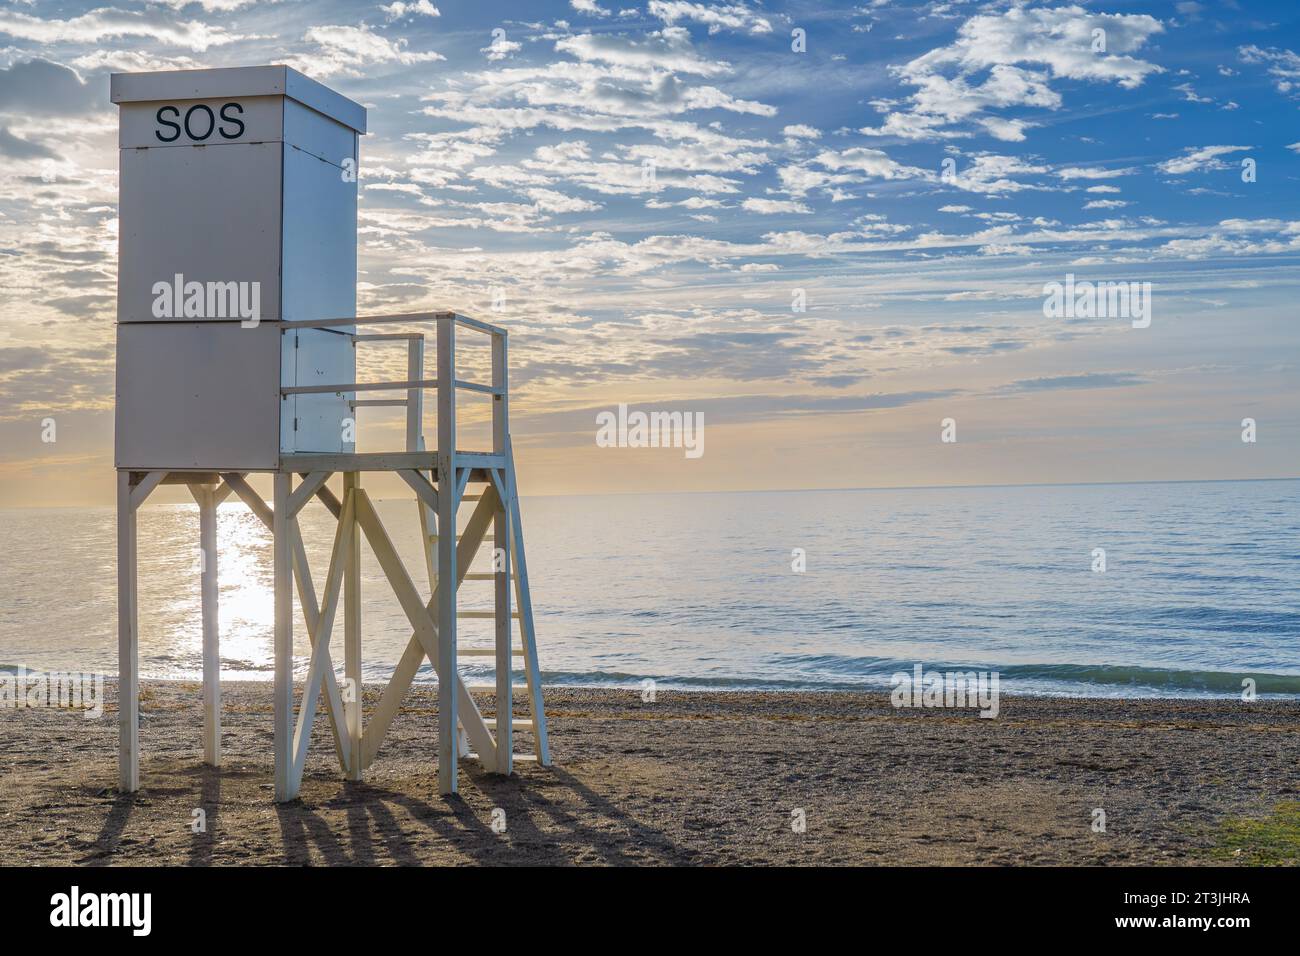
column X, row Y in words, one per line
column 787, row 491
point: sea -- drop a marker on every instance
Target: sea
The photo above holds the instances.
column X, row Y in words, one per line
column 1181, row 589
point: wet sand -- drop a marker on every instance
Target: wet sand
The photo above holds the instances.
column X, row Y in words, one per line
column 692, row 778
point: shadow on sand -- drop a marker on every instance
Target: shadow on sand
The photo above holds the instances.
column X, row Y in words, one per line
column 560, row 823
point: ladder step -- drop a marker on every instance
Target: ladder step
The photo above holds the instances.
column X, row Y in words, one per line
column 525, row 725
column 484, row 652
column 482, row 575
column 483, row 615
column 434, row 537
column 517, row 758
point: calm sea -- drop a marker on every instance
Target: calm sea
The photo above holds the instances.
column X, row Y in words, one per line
column 1201, row 588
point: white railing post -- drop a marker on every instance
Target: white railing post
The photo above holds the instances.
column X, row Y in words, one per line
column 415, row 396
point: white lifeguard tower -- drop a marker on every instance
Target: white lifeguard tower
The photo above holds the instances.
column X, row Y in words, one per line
column 236, row 354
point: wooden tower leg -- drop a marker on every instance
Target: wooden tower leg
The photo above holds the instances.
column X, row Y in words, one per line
column 504, row 650
column 523, row 598
column 128, row 670
column 501, row 561
column 283, row 563
column 352, row 633
column 448, row 501
column 206, row 497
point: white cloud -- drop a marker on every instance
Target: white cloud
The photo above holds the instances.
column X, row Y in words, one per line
column 347, row 49
column 1022, row 50
column 548, row 200
column 799, row 131
column 992, row 174
column 132, row 61
column 212, row 6
column 1092, row 172
column 871, row 162
column 589, row 6
column 500, row 47
column 1283, row 66
column 1194, row 159
column 730, row 16
column 1190, row 94
column 669, row 49
column 772, row 206
column 1006, row 249
column 422, row 8
column 106, row 23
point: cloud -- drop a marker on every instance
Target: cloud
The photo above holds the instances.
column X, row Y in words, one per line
column 1190, row 94
column 39, row 87
column 15, row 148
column 346, row 49
column 799, row 131
column 746, row 408
column 730, row 16
column 873, row 163
column 423, row 8
column 615, row 84
column 106, row 23
column 1083, row 380
column 1093, row 172
column 212, row 6
column 589, row 6
column 131, row 61
column 1196, row 159
column 1009, row 60
column 500, row 47
column 669, row 49
column 1283, row 66
column 773, row 206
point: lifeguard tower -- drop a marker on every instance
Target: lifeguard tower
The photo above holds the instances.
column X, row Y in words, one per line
column 237, row 343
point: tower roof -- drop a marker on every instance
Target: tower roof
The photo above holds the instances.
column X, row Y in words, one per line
column 238, row 81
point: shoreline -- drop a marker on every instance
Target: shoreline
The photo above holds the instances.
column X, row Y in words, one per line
column 1151, row 692
column 695, row 777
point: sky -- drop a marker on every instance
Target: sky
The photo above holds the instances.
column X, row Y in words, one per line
column 825, row 227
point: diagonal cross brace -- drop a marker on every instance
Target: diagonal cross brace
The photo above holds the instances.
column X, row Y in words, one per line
column 423, row 642
column 320, row 655
column 307, row 598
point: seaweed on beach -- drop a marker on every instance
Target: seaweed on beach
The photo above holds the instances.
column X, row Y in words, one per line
column 1272, row 841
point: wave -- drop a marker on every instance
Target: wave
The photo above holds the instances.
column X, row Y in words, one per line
column 874, row 673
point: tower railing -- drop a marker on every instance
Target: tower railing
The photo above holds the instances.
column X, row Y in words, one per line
column 446, row 384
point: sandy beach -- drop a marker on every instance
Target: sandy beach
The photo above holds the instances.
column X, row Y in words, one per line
column 692, row 778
